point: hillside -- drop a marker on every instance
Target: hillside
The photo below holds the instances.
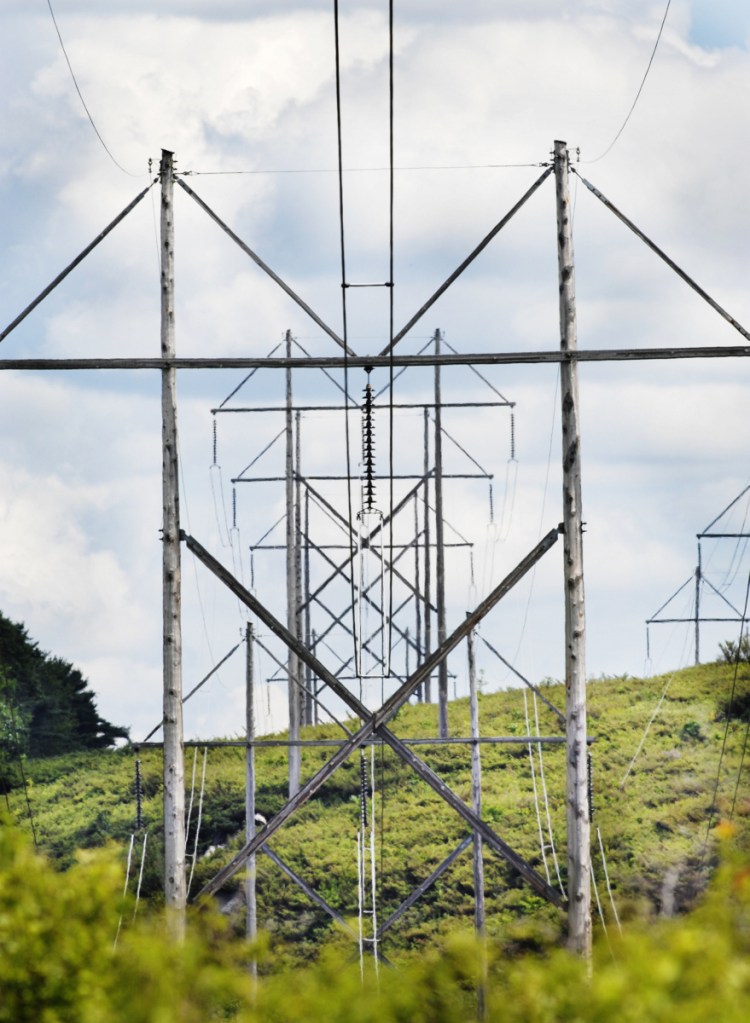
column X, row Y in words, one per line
column 654, row 827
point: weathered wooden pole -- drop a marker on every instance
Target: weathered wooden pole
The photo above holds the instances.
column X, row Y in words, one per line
column 427, row 687
column 476, row 805
column 312, row 712
column 578, row 823
column 174, row 767
column 291, row 586
column 440, row 552
column 299, row 625
column 251, row 920
column 698, row 581
column 476, row 785
column 417, row 590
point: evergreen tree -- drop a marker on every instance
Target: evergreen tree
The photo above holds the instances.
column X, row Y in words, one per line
column 46, row 707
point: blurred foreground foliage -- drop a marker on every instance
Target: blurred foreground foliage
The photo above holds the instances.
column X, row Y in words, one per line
column 59, row 962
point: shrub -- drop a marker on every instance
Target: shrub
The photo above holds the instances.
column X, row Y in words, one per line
column 59, row 964
column 731, row 651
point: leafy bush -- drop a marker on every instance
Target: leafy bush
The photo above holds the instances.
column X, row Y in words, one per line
column 735, row 707
column 60, row 964
column 691, row 732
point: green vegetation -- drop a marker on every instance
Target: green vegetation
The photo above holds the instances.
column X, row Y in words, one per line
column 731, row 651
column 72, row 953
column 656, row 815
column 46, row 707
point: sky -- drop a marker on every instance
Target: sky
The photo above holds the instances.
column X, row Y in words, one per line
column 244, row 94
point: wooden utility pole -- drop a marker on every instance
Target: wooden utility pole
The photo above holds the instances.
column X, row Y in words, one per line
column 250, row 901
column 174, row 768
column 299, row 625
column 698, row 582
column 476, row 784
column 440, row 551
column 578, row 823
column 427, row 686
column 291, row 586
column 312, row 707
column 476, row 805
column 417, row 593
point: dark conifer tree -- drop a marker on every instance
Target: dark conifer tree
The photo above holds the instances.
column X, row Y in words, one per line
column 46, row 700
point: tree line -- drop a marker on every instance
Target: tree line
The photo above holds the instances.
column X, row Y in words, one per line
column 46, row 706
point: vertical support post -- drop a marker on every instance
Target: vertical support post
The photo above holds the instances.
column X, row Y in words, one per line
column 314, row 690
column 427, row 557
column 174, row 768
column 698, row 582
column 578, row 823
column 476, row 783
column 298, row 623
column 312, row 707
column 476, row 805
column 251, row 920
column 417, row 592
column 440, row 552
column 291, row 581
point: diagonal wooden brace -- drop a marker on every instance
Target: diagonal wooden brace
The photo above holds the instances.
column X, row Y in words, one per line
column 424, row 886
column 377, row 722
column 309, row 892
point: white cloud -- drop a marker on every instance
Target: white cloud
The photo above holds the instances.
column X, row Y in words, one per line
column 233, row 90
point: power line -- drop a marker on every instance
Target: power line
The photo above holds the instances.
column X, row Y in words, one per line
column 640, row 89
column 83, row 101
column 391, row 322
column 729, row 710
column 345, row 330
column 368, row 170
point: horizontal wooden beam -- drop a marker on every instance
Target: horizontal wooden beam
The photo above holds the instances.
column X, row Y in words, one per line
column 363, row 361
column 487, row 740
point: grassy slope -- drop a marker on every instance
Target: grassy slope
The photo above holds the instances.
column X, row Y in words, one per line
column 654, row 828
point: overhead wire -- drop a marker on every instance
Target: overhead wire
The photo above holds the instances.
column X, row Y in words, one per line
column 125, row 888
column 140, row 875
column 532, row 574
column 654, row 715
column 196, row 578
column 740, row 769
column 612, row 902
column 199, row 821
column 367, row 170
column 729, row 709
column 640, row 89
column 345, row 329
column 391, row 324
column 737, row 556
column 107, row 150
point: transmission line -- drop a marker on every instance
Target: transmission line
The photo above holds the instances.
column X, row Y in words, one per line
column 107, row 150
column 640, row 89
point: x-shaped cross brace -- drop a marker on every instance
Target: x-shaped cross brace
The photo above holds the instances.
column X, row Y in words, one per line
column 377, row 722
